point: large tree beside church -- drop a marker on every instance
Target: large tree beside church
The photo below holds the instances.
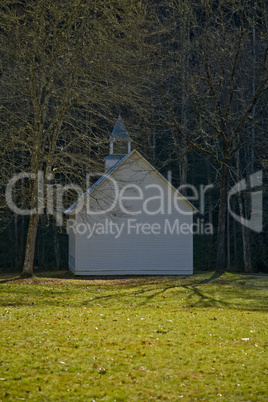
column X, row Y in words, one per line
column 67, row 66
column 213, row 88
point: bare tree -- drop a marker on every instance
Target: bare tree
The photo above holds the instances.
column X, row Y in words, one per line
column 220, row 67
column 67, row 65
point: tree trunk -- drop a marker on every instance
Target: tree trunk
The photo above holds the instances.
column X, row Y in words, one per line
column 22, row 240
column 228, row 243
column 235, row 246
column 252, row 144
column 185, row 39
column 184, row 167
column 221, row 237
column 56, row 245
column 210, row 216
column 245, row 238
column 245, row 232
column 16, row 241
column 30, row 246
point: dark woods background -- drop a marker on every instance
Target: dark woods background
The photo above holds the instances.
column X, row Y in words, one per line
column 190, row 80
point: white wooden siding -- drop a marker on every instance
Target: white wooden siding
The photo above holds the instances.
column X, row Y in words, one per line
column 132, row 253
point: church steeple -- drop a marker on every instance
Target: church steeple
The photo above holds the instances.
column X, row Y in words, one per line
column 120, row 144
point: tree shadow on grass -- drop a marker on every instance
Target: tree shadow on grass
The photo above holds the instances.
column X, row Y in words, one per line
column 144, row 292
column 7, row 280
column 216, row 275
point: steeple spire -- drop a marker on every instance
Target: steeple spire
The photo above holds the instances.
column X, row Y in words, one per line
column 120, row 135
column 120, row 144
column 119, row 132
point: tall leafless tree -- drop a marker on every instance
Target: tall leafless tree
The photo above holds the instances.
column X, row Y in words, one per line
column 220, row 68
column 67, row 66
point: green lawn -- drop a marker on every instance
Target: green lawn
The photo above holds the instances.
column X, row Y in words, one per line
column 134, row 339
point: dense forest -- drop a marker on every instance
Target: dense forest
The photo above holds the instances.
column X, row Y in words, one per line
column 190, row 79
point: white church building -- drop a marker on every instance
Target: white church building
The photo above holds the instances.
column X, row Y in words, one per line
column 131, row 221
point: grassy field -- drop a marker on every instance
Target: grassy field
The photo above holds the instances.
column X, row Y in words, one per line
column 134, row 339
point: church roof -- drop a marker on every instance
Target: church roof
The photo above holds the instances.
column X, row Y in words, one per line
column 121, row 161
column 117, row 156
column 99, row 181
column 119, row 132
